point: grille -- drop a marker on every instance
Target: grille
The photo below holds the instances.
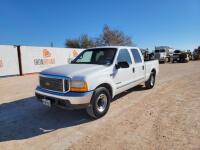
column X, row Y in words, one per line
column 176, row 55
column 157, row 56
column 54, row 84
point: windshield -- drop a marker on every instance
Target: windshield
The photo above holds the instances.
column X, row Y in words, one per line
column 160, row 51
column 177, row 51
column 100, row 56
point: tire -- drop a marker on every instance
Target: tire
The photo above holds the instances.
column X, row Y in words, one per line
column 166, row 60
column 151, row 81
column 99, row 103
column 163, row 62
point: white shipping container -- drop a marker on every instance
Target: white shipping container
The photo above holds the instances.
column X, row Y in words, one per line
column 8, row 60
column 36, row 59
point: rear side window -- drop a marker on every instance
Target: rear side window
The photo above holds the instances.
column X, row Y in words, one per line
column 124, row 56
column 136, row 56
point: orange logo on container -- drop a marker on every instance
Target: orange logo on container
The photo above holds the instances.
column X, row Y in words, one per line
column 46, row 60
column 46, row 53
column 74, row 53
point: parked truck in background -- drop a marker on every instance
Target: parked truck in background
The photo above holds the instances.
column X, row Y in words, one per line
column 94, row 77
column 189, row 54
column 163, row 54
column 147, row 55
column 196, row 53
column 181, row 56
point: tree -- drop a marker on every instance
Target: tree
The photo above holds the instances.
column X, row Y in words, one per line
column 84, row 41
column 72, row 43
column 114, row 37
column 107, row 38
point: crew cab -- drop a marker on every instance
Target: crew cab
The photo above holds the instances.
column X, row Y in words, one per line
column 94, row 78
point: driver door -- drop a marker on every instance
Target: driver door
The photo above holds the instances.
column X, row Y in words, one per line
column 123, row 76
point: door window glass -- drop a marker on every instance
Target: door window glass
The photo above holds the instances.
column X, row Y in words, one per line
column 124, row 56
column 136, row 56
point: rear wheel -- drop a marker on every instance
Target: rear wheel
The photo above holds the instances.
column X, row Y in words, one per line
column 166, row 60
column 99, row 103
column 151, row 81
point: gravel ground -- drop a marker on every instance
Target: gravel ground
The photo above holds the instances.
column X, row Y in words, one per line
column 165, row 117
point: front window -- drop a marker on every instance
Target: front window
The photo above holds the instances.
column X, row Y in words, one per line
column 100, row 56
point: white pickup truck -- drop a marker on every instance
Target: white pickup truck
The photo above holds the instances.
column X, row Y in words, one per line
column 94, row 77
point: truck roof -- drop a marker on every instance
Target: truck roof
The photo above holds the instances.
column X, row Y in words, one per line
column 114, row 47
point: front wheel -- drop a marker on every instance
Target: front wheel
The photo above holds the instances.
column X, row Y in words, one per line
column 166, row 60
column 99, row 103
column 151, row 81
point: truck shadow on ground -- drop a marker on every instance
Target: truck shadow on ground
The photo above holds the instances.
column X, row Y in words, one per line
column 28, row 118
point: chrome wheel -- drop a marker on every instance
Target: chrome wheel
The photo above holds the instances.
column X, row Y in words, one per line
column 101, row 102
column 152, row 80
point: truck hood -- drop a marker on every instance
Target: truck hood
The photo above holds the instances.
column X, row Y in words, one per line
column 71, row 70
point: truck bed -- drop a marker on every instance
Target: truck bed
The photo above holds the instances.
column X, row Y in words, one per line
column 149, row 65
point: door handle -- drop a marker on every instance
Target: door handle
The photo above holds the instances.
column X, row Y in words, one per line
column 133, row 70
column 142, row 67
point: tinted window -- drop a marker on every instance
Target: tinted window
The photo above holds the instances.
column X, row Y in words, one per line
column 136, row 56
column 124, row 56
column 162, row 50
column 177, row 51
column 101, row 56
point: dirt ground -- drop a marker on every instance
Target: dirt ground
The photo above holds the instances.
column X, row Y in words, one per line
column 165, row 117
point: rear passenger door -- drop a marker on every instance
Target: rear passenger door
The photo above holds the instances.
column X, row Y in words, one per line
column 139, row 68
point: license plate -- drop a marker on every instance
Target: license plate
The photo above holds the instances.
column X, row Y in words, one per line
column 46, row 102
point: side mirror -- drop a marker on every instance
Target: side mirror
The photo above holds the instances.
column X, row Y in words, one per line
column 122, row 64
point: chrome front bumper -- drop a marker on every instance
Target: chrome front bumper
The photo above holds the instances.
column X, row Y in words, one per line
column 72, row 97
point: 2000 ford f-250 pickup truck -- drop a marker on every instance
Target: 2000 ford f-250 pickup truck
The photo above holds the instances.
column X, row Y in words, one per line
column 94, row 77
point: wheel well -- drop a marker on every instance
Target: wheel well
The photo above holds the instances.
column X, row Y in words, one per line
column 153, row 71
column 106, row 85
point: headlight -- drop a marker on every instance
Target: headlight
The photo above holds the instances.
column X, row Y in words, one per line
column 78, row 86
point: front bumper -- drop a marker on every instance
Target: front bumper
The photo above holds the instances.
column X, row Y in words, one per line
column 176, row 58
column 68, row 99
column 162, row 59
